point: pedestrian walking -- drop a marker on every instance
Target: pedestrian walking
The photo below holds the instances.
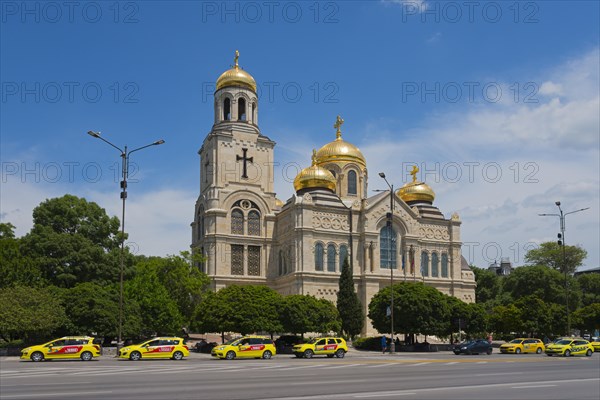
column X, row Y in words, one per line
column 383, row 344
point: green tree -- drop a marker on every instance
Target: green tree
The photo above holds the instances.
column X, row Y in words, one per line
column 158, row 311
column 304, row 313
column 417, row 309
column 488, row 285
column 545, row 283
column 587, row 318
column 92, row 308
column 468, row 317
column 328, row 317
column 182, row 279
column 16, row 268
column 73, row 241
column 29, row 313
column 550, row 254
column 505, row 319
column 590, row 288
column 348, row 303
column 243, row 309
column 536, row 319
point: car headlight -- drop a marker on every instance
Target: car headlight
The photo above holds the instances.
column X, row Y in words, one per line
column 463, row 348
column 221, row 348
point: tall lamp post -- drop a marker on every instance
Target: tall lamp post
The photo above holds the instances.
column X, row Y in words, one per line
column 125, row 174
column 561, row 242
column 390, row 255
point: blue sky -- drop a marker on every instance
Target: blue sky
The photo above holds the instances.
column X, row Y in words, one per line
column 498, row 104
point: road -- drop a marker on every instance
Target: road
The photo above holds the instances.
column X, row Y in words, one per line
column 358, row 376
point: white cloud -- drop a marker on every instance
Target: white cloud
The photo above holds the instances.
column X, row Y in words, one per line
column 545, row 151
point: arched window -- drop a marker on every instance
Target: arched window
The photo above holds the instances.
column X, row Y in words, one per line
column 200, row 224
column 318, row 257
column 331, row 258
column 237, row 222
column 241, row 109
column 435, row 264
column 444, row 265
column 227, row 110
column 254, row 113
column 254, row 223
column 343, row 255
column 332, row 172
column 351, row 182
column 424, row 264
column 387, row 246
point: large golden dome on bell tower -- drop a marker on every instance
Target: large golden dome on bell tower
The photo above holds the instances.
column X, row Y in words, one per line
column 236, row 76
column 415, row 191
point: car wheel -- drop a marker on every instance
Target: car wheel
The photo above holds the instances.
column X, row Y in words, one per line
column 230, row 355
column 489, row 351
column 538, row 351
column 37, row 356
column 135, row 356
column 340, row 353
column 567, row 353
column 518, row 351
column 86, row 356
column 177, row 355
column 267, row 355
column 589, row 353
column 308, row 353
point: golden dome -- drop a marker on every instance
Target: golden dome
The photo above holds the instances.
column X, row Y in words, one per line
column 416, row 191
column 339, row 150
column 314, row 177
column 236, row 77
column 279, row 203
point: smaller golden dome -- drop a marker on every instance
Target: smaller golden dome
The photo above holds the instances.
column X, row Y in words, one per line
column 314, row 177
column 236, row 77
column 416, row 191
column 340, row 150
column 279, row 203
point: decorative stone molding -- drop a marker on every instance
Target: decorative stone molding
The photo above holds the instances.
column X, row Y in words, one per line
column 455, row 217
column 330, row 221
column 434, row 232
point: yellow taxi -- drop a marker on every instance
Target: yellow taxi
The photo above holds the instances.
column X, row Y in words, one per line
column 68, row 347
column 570, row 347
column 158, row 347
column 595, row 344
column 245, row 347
column 523, row 345
column 328, row 346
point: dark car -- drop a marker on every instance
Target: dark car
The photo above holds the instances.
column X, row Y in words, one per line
column 479, row 346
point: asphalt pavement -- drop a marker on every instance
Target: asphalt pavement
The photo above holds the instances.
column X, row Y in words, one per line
column 360, row 375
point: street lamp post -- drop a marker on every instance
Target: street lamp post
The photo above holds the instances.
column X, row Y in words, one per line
column 125, row 174
column 561, row 242
column 389, row 222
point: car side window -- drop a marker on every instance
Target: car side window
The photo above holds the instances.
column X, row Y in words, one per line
column 255, row 341
column 58, row 343
column 321, row 342
column 153, row 343
column 579, row 342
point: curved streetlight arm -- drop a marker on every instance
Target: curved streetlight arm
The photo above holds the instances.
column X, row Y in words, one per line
column 576, row 211
column 158, row 142
column 97, row 136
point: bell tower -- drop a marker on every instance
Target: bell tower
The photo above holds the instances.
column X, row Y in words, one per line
column 236, row 184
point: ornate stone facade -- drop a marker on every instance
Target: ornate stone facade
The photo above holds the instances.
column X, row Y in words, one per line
column 298, row 247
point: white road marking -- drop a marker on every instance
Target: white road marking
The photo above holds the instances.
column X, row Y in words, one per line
column 382, row 365
column 452, row 363
column 423, row 363
column 341, row 366
column 531, row 386
column 365, row 396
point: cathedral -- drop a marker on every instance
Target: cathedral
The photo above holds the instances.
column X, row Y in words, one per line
column 298, row 245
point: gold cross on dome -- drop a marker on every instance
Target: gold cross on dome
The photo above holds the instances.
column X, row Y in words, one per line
column 338, row 125
column 414, row 172
column 235, row 59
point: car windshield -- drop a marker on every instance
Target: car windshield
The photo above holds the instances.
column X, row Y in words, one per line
column 315, row 340
column 515, row 341
column 563, row 342
column 233, row 342
column 467, row 342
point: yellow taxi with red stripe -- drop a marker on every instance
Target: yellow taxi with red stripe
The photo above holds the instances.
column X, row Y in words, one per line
column 245, row 347
column 570, row 347
column 158, row 347
column 329, row 346
column 68, row 347
column 523, row 345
